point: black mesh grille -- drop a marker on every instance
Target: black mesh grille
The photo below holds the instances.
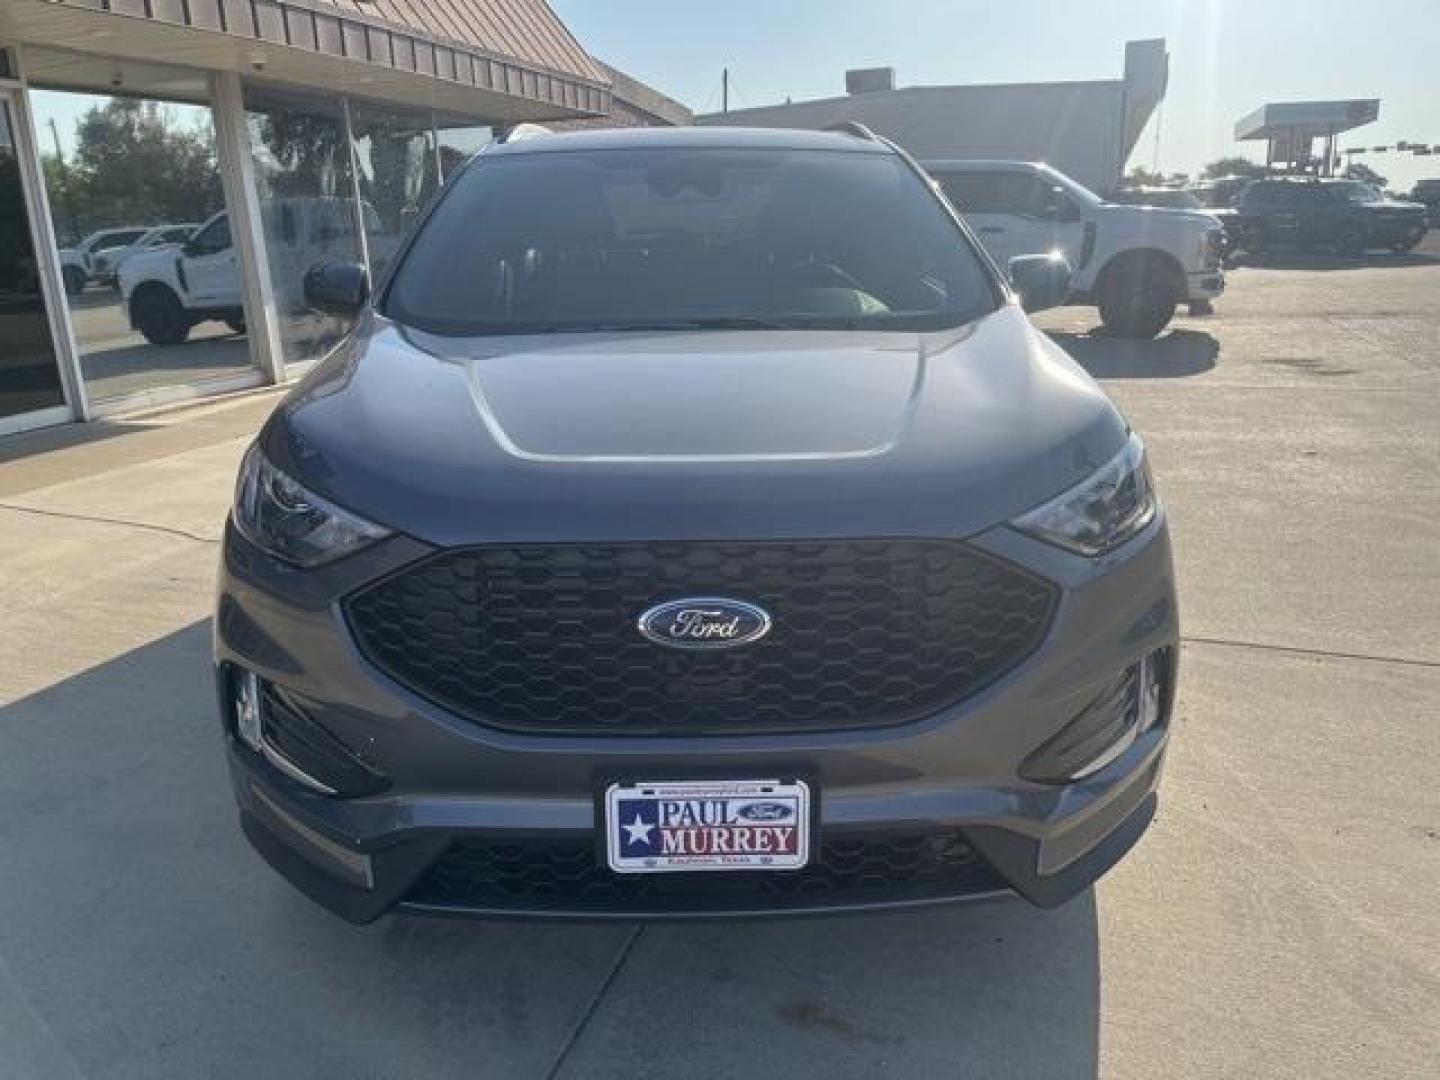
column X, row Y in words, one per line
column 543, row 638
column 480, row 875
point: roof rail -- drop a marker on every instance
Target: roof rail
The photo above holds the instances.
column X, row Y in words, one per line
column 521, row 132
column 855, row 128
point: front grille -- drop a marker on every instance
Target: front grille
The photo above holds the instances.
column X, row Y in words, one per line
column 543, row 638
column 539, row 876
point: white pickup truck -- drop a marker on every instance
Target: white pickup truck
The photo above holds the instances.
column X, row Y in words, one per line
column 169, row 292
column 1136, row 263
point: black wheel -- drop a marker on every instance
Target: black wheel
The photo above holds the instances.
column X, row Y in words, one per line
column 159, row 316
column 1350, row 241
column 236, row 323
column 1137, row 298
column 74, row 280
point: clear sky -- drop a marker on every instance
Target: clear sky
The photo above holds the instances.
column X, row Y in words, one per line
column 1226, row 56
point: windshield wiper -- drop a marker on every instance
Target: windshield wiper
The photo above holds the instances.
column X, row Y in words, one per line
column 714, row 322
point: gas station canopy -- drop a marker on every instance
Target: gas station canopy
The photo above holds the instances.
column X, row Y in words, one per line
column 1306, row 119
column 1290, row 129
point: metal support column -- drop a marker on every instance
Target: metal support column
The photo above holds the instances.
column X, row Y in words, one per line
column 247, row 228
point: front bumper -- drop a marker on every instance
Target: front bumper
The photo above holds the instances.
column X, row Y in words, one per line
column 940, row 799
column 1391, row 231
column 1205, row 285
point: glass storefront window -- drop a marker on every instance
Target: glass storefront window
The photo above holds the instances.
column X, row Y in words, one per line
column 130, row 179
column 303, row 173
column 398, row 173
column 29, row 372
column 458, row 145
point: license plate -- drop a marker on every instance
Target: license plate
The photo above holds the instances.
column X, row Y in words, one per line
column 656, row 828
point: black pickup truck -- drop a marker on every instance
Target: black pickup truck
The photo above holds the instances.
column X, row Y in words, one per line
column 1349, row 216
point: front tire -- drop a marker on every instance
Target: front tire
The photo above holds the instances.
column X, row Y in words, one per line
column 159, row 316
column 1137, row 299
column 74, row 279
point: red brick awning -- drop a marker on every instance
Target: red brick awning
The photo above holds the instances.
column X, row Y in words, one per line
column 515, row 49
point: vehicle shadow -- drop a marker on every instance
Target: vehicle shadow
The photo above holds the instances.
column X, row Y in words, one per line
column 133, row 895
column 995, row 990
column 1324, row 261
column 1175, row 355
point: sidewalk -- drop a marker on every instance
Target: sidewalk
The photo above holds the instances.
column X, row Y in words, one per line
column 109, row 533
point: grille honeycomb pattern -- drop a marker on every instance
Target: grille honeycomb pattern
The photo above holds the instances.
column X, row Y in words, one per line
column 543, row 638
column 479, row 875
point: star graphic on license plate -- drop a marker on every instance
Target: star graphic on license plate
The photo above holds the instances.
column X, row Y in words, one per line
column 638, row 820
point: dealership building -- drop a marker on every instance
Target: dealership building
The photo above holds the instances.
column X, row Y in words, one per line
column 259, row 137
column 1086, row 129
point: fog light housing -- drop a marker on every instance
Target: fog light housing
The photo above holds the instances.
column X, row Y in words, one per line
column 1100, row 733
column 248, row 725
column 280, row 730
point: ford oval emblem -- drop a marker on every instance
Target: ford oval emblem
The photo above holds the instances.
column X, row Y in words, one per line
column 764, row 811
column 705, row 622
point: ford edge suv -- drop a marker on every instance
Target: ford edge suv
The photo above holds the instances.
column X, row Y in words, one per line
column 694, row 524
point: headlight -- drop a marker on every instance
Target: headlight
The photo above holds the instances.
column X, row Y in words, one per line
column 276, row 514
column 1102, row 512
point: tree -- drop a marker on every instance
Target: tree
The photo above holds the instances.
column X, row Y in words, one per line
column 1139, row 176
column 135, row 165
column 1233, row 166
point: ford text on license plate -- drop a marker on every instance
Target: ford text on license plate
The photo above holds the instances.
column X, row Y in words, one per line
column 707, row 825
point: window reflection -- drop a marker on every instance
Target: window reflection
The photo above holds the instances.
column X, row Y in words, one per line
column 398, row 173
column 306, row 190
column 130, row 178
column 458, row 145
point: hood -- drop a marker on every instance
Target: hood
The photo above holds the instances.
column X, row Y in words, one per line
column 1167, row 218
column 708, row 434
column 1400, row 205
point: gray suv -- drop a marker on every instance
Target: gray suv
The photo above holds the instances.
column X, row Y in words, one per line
column 694, row 525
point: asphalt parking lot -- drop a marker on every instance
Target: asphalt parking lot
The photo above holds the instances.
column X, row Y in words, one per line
column 1279, row 920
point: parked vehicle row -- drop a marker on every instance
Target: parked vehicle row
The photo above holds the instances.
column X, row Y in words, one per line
column 1347, row 216
column 97, row 258
column 169, row 292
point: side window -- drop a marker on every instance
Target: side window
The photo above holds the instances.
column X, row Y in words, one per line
column 1036, row 197
column 118, row 240
column 975, row 192
column 213, row 239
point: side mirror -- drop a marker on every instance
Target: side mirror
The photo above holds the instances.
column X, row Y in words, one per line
column 1043, row 281
column 337, row 288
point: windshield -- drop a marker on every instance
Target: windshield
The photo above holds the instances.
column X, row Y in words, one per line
column 1355, row 191
column 689, row 238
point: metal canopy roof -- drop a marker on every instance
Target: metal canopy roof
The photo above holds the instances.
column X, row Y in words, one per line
column 1306, row 118
column 505, row 60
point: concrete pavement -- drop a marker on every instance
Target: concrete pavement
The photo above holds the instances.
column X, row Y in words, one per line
column 1279, row 920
